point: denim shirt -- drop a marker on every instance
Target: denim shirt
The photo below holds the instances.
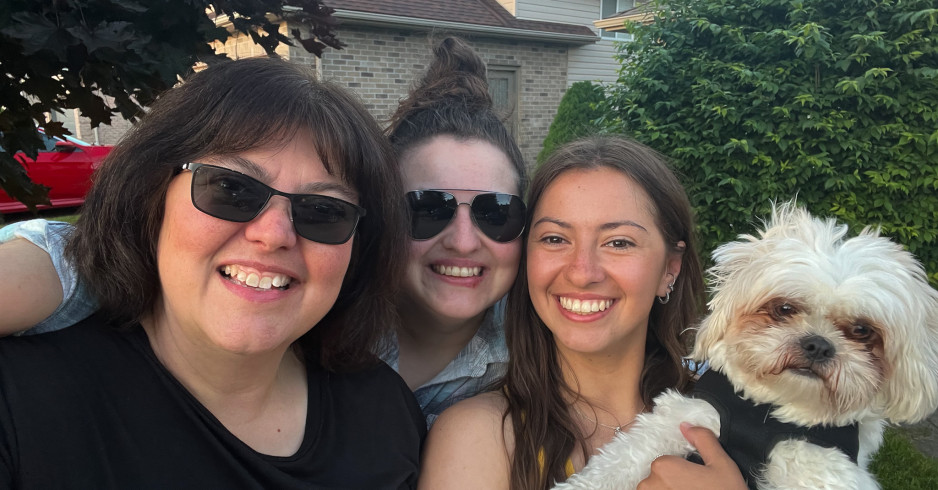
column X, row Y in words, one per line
column 77, row 302
column 483, row 361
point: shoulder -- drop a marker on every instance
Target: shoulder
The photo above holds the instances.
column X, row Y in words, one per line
column 86, row 339
column 61, row 358
column 468, row 446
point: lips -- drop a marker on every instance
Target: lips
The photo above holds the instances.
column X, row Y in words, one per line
column 255, row 279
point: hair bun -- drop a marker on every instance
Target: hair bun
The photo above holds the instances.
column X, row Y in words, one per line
column 455, row 77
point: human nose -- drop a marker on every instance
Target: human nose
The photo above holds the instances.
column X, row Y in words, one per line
column 273, row 227
column 584, row 266
column 461, row 234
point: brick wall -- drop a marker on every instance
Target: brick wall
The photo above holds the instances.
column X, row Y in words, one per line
column 105, row 134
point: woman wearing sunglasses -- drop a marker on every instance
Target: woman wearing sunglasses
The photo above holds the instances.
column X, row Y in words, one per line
column 240, row 241
column 464, row 175
column 597, row 326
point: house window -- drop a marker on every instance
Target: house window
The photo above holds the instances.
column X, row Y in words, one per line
column 503, row 87
column 609, row 8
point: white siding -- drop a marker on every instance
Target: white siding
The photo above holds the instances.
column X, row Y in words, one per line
column 593, row 62
column 566, row 11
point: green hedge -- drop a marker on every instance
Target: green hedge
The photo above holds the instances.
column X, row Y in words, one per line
column 576, row 116
column 833, row 102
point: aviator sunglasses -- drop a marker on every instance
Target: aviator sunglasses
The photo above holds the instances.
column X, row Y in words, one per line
column 232, row 196
column 499, row 216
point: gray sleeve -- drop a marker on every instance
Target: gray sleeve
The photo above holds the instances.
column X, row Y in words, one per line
column 77, row 303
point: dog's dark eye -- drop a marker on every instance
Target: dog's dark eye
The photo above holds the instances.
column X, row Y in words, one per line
column 861, row 331
column 784, row 310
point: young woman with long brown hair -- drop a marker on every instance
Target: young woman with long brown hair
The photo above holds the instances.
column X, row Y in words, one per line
column 597, row 326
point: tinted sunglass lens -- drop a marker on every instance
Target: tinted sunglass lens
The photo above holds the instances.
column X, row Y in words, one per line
column 227, row 195
column 499, row 216
column 323, row 219
column 431, row 211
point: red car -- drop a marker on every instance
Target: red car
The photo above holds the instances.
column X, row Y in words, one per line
column 65, row 166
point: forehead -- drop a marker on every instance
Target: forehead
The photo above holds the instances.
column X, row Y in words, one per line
column 447, row 163
column 600, row 195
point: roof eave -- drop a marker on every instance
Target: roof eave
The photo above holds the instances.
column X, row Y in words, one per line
column 384, row 20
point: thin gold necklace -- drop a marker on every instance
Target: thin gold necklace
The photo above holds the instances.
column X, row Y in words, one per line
column 616, row 429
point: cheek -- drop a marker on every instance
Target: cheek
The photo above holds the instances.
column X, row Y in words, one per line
column 417, row 251
column 328, row 265
column 541, row 272
column 187, row 234
column 508, row 256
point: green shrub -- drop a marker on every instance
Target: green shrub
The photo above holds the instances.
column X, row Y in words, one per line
column 899, row 466
column 575, row 116
column 754, row 100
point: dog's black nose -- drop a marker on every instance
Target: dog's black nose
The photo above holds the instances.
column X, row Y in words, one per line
column 817, row 348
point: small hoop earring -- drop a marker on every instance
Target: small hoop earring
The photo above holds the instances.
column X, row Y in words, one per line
column 667, row 297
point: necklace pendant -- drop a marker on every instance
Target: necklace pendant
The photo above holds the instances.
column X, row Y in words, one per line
column 617, row 430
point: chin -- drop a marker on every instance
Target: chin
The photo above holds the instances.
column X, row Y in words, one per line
column 816, row 340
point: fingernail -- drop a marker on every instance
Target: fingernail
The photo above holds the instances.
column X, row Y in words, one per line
column 685, row 425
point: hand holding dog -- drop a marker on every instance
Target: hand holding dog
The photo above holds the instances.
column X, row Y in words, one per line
column 675, row 472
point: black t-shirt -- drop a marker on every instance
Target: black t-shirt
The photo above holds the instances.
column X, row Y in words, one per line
column 91, row 407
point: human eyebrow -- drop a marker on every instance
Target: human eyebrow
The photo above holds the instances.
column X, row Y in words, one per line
column 619, row 224
column 605, row 226
column 320, row 187
column 248, row 167
column 548, row 219
column 257, row 171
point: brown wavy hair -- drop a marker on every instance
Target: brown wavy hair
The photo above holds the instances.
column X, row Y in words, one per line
column 452, row 99
column 538, row 397
column 227, row 109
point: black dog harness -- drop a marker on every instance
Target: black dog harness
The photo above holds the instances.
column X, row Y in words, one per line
column 748, row 432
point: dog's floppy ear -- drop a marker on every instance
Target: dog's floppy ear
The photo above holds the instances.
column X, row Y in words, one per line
column 911, row 341
column 730, row 260
column 911, row 393
column 728, row 279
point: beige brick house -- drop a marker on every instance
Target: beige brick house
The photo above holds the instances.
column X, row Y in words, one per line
column 534, row 50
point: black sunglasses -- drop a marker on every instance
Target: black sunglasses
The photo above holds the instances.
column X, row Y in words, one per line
column 499, row 216
column 232, row 196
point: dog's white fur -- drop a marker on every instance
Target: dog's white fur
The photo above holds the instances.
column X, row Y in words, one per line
column 802, row 276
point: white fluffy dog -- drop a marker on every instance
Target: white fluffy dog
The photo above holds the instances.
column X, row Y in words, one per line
column 825, row 338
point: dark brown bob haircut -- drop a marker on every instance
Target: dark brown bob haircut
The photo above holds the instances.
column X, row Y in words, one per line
column 229, row 108
column 537, row 393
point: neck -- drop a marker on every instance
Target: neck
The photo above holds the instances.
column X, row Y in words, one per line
column 427, row 342
column 261, row 399
column 608, row 389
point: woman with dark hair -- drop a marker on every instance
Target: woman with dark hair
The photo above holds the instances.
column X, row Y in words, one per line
column 597, row 326
column 455, row 151
column 241, row 243
column 460, row 260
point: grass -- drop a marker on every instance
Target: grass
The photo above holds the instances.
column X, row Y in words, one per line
column 69, row 218
column 900, row 466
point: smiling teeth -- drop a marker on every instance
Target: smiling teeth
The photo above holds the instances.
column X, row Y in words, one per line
column 255, row 280
column 585, row 306
column 457, row 271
